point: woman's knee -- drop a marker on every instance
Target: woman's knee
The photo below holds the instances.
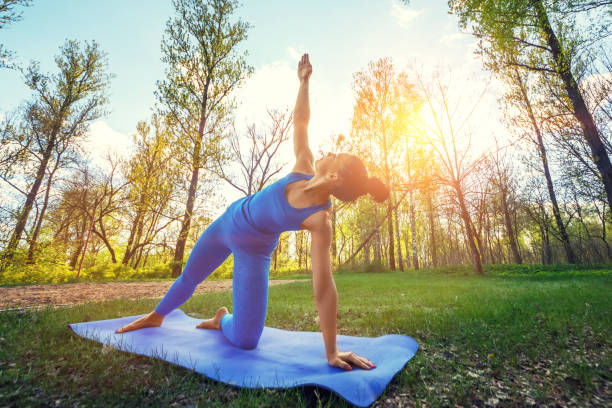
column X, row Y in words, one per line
column 247, row 342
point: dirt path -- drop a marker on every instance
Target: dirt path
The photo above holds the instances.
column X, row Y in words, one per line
column 34, row 296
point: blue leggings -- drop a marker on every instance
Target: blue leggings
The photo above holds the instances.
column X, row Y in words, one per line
column 243, row 328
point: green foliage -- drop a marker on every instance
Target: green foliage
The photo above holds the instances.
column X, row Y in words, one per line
column 509, row 339
column 204, row 65
column 372, row 267
column 17, row 273
column 9, row 15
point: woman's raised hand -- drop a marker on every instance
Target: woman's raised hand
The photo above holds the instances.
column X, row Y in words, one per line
column 344, row 360
column 304, row 68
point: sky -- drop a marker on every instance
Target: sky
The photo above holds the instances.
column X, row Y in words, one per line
column 341, row 37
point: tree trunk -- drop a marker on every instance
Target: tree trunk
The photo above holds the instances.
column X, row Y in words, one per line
column 75, row 257
column 432, row 232
column 399, row 241
column 465, row 216
column 390, row 227
column 569, row 252
column 144, row 264
column 603, row 233
column 509, row 230
column 298, row 248
column 580, row 110
column 407, row 243
column 128, row 249
column 377, row 243
column 22, row 219
column 179, row 251
column 80, row 231
column 34, row 238
column 102, row 235
column 415, row 256
column 546, row 250
column 139, row 257
column 571, row 258
column 138, row 244
column 487, row 242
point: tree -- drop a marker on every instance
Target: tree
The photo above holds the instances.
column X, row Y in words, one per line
column 62, row 156
column 153, row 175
column 258, row 164
column 445, row 129
column 8, row 15
column 64, row 104
column 501, row 175
column 200, row 48
column 518, row 95
column 520, row 33
column 379, row 123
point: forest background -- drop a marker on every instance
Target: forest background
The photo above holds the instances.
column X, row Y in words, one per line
column 492, row 128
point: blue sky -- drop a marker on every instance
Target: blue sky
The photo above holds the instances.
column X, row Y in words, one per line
column 340, row 36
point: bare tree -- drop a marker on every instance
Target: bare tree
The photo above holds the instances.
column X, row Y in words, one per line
column 258, row 163
column 446, row 128
column 502, row 176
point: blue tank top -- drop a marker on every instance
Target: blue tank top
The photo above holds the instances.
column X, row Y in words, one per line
column 268, row 210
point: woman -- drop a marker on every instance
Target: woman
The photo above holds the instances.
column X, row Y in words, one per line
column 250, row 229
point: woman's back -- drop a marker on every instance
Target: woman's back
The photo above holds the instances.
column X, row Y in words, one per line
column 268, row 210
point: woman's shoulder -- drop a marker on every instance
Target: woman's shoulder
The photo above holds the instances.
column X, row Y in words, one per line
column 297, row 175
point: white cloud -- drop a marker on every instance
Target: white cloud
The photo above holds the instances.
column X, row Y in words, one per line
column 295, row 55
column 452, row 37
column 403, row 14
column 102, row 140
column 275, row 86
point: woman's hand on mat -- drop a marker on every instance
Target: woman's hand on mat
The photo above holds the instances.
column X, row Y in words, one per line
column 151, row 320
column 345, row 360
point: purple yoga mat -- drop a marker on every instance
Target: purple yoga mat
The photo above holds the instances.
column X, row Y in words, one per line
column 282, row 359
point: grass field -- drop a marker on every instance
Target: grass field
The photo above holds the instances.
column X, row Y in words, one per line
column 518, row 336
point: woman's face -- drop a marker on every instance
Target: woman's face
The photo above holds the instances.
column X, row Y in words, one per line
column 325, row 162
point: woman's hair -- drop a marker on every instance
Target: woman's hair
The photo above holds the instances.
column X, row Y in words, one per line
column 353, row 182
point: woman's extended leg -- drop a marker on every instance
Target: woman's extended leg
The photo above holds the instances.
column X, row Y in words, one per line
column 208, row 253
column 250, row 300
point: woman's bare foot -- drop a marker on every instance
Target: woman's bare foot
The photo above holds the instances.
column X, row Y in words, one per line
column 215, row 322
column 151, row 320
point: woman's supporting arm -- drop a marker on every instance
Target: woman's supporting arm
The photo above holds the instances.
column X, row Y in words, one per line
column 301, row 116
column 326, row 297
column 324, row 287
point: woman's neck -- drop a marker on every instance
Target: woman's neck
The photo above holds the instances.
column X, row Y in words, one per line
column 318, row 189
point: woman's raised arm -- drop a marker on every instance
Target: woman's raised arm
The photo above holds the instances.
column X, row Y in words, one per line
column 304, row 160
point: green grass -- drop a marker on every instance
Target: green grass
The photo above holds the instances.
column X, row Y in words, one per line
column 518, row 336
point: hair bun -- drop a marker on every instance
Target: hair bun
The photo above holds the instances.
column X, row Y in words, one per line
column 377, row 189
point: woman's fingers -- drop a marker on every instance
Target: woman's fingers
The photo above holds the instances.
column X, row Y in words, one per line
column 338, row 362
column 359, row 361
column 128, row 327
column 367, row 363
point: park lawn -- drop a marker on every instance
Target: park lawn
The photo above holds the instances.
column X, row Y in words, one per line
column 514, row 337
